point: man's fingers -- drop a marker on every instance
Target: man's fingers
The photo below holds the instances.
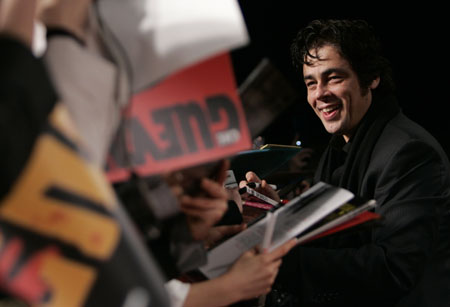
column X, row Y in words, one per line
column 210, row 217
column 242, row 183
column 250, row 253
column 202, row 203
column 213, row 188
column 282, row 250
column 252, row 177
column 222, row 174
column 229, row 230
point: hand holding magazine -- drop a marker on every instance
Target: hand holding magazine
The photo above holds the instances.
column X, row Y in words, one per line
column 317, row 210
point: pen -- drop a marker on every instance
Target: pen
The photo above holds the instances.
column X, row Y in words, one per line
column 250, row 191
column 255, row 185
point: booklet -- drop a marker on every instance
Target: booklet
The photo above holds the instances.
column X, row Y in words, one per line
column 263, row 161
column 317, row 210
column 348, row 215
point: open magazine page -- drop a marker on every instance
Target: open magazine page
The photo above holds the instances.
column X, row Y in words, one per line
column 342, row 215
column 363, row 219
column 306, row 210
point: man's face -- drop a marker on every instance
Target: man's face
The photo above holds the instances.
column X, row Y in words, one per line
column 334, row 92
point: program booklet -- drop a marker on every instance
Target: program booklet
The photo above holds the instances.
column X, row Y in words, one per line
column 264, row 161
column 322, row 208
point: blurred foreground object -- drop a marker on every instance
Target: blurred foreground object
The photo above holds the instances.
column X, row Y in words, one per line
column 163, row 36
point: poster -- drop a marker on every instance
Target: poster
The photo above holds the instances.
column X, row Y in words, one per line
column 194, row 116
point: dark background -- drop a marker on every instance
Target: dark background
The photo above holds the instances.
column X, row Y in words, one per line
column 414, row 39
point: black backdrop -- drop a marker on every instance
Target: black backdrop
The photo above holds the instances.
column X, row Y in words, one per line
column 414, row 39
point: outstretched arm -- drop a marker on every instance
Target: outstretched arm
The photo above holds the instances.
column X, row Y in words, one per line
column 67, row 15
column 252, row 275
column 17, row 19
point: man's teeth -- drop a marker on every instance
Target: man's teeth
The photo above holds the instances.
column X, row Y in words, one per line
column 329, row 109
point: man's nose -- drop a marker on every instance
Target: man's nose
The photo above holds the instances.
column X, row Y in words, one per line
column 321, row 90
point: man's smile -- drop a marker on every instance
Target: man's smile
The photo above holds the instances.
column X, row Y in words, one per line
column 329, row 112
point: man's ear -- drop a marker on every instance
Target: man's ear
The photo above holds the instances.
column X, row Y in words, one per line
column 375, row 83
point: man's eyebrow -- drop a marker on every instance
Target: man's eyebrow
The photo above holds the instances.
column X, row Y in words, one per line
column 335, row 70
column 327, row 73
column 308, row 77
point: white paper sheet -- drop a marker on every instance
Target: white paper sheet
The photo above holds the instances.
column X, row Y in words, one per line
column 160, row 37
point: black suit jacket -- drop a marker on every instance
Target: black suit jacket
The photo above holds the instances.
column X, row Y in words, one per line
column 405, row 261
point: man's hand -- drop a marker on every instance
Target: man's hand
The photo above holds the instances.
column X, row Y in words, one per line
column 253, row 274
column 264, row 188
column 233, row 194
column 69, row 15
column 204, row 211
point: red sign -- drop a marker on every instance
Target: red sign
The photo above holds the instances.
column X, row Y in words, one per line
column 192, row 117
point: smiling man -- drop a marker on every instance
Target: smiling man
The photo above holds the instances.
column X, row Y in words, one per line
column 334, row 92
column 377, row 153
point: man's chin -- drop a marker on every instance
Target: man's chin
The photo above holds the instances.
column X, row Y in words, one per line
column 332, row 129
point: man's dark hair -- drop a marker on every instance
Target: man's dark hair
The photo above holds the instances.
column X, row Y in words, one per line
column 356, row 42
